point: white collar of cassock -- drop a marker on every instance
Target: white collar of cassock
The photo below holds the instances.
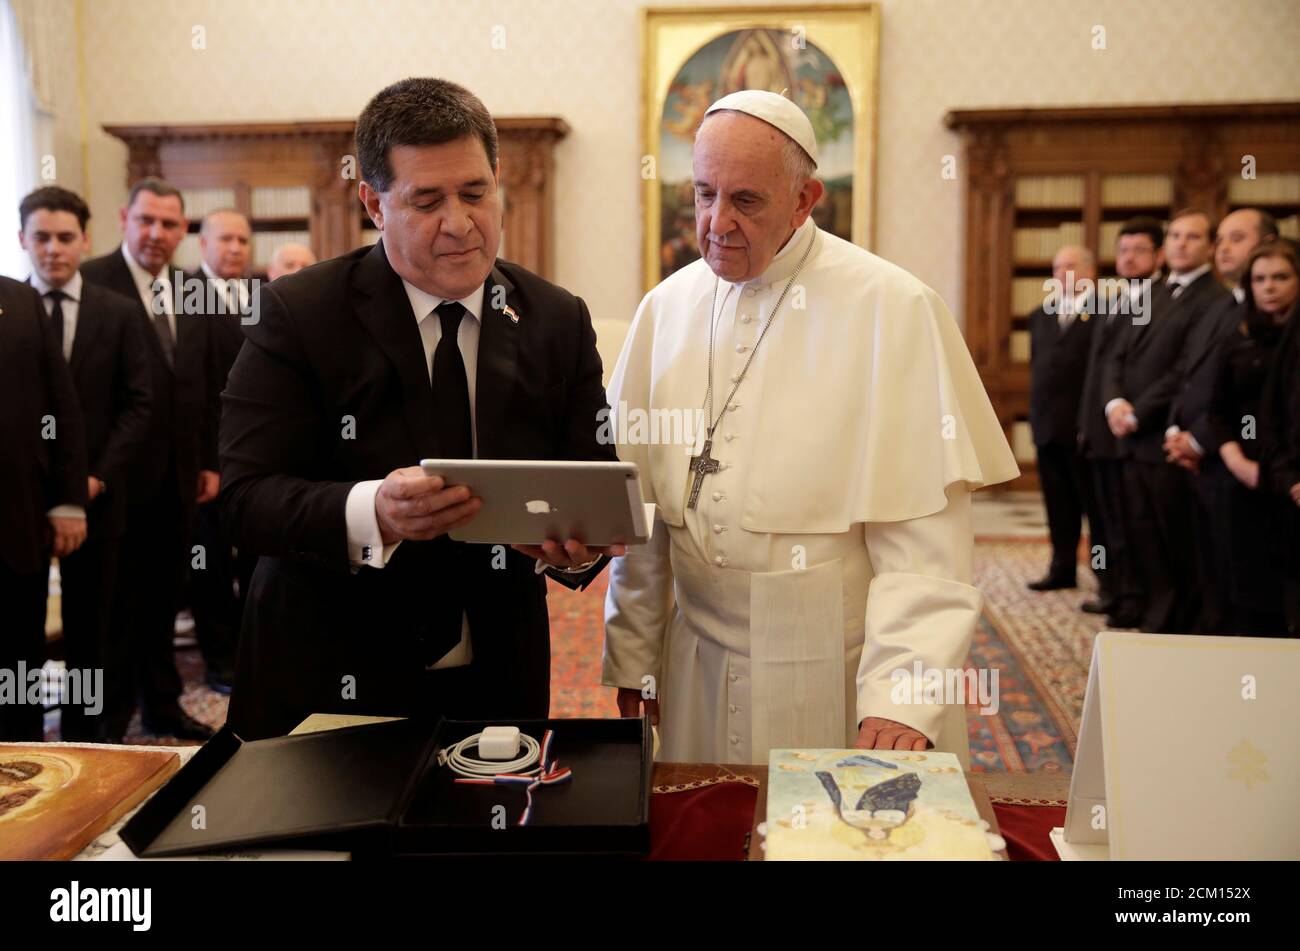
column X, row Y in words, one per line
column 786, row 260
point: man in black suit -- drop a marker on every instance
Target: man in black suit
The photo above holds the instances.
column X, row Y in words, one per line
column 424, row 345
column 42, row 493
column 1060, row 335
column 1189, row 437
column 1140, row 385
column 217, row 590
column 175, row 468
column 1139, row 255
column 101, row 334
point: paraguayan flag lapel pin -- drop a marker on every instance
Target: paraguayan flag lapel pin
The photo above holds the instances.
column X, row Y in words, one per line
column 510, row 312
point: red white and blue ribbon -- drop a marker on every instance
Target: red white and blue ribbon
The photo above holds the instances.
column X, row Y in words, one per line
column 547, row 773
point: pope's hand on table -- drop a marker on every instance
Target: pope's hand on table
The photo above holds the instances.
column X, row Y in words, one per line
column 877, row 733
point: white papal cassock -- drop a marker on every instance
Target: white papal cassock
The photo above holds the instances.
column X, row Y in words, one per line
column 834, row 545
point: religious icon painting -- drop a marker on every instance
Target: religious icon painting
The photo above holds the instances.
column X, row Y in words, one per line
column 823, row 57
column 872, row 805
column 55, row 799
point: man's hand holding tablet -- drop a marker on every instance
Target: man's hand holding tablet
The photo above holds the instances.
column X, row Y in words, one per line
column 416, row 507
column 565, row 514
column 573, row 554
column 411, row 505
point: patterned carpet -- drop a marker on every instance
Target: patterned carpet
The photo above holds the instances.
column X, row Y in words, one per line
column 1040, row 644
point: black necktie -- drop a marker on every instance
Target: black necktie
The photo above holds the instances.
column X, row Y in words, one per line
column 451, row 388
column 56, row 315
column 162, row 326
column 452, row 424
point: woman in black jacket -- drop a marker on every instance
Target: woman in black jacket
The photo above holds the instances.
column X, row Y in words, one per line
column 1256, row 386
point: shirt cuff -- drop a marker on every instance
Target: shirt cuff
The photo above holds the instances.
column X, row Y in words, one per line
column 1118, row 399
column 365, row 543
column 1172, row 431
column 66, row 511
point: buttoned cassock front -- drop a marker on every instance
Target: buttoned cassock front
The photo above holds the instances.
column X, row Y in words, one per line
column 833, row 546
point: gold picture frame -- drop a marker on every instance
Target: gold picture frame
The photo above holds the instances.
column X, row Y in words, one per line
column 827, row 59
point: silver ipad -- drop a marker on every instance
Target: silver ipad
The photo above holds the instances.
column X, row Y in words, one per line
column 526, row 501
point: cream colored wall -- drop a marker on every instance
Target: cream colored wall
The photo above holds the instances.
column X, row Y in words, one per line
column 58, row 133
column 579, row 59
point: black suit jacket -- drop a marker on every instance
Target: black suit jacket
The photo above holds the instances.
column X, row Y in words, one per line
column 1058, row 367
column 226, row 329
column 1144, row 368
column 182, row 435
column 1095, row 436
column 43, row 462
column 111, row 373
column 335, row 345
column 1198, row 370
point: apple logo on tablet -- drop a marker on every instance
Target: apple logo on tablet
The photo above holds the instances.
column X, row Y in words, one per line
column 538, row 507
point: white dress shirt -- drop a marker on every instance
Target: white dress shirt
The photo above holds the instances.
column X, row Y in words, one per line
column 365, row 543
column 1178, row 282
column 71, row 306
column 235, row 305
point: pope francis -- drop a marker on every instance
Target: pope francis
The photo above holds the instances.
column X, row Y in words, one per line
column 813, row 544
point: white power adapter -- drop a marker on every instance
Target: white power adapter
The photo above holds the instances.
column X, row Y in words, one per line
column 498, row 743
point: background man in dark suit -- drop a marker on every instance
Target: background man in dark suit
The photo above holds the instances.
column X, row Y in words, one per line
column 176, row 467
column 216, row 592
column 100, row 333
column 42, row 488
column 1139, row 255
column 1189, row 438
column 1060, row 339
column 1140, row 387
column 424, row 345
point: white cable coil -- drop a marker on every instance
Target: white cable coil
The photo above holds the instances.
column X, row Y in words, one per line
column 473, row 768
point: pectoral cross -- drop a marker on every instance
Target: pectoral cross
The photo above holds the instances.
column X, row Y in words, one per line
column 701, row 465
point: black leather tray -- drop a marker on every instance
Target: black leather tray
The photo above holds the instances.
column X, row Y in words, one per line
column 376, row 790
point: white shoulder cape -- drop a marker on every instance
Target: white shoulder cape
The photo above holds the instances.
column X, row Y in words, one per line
column 870, row 405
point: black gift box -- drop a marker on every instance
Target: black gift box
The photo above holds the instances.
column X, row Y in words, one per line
column 377, row 790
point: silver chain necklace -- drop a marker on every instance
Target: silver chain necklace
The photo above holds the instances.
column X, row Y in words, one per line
column 704, row 464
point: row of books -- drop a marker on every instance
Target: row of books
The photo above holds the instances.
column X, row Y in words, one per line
column 1270, row 188
column 201, row 201
column 1040, row 244
column 1049, row 191
column 187, row 255
column 1150, row 191
column 292, row 202
column 1143, row 191
column 1027, row 294
column 266, row 202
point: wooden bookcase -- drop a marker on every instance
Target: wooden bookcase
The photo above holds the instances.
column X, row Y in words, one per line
column 290, row 179
column 1037, row 179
